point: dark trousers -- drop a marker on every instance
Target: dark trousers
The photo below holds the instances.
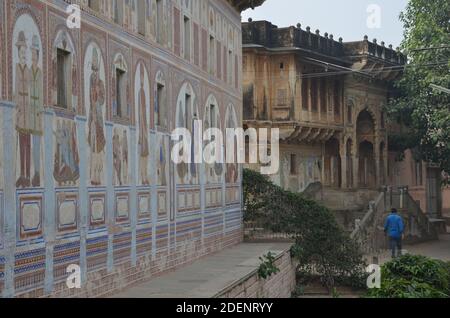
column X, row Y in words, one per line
column 395, row 244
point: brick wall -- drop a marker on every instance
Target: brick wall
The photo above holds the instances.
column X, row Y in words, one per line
column 280, row 285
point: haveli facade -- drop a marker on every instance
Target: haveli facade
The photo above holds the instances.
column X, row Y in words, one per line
column 327, row 97
column 86, row 115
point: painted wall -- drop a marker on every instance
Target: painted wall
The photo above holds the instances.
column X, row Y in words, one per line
column 92, row 183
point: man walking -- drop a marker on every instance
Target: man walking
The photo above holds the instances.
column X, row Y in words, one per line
column 394, row 228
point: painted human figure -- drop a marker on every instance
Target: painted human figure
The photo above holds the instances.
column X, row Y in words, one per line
column 162, row 164
column 96, row 137
column 117, row 158
column 37, row 108
column 125, row 157
column 182, row 167
column 143, row 131
column 66, row 158
column 22, row 101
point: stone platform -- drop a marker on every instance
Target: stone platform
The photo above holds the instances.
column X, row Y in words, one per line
column 229, row 273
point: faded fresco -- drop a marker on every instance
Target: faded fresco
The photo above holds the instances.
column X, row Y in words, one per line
column 95, row 101
column 186, row 114
column 212, row 120
column 163, row 160
column 232, row 169
column 66, row 170
column 86, row 142
column 121, row 156
column 142, row 98
column 28, row 91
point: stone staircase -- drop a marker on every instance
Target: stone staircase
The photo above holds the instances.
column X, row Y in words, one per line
column 369, row 231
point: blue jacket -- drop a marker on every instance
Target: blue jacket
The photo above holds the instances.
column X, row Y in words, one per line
column 394, row 226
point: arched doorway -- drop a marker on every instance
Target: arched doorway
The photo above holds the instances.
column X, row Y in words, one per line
column 366, row 136
column 332, row 163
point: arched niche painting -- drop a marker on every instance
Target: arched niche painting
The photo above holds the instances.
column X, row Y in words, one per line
column 186, row 114
column 142, row 111
column 212, row 120
column 28, row 96
column 94, row 100
column 121, row 159
column 232, row 168
column 64, row 76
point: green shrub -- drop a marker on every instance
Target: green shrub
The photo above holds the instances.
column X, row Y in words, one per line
column 321, row 246
column 267, row 267
column 414, row 277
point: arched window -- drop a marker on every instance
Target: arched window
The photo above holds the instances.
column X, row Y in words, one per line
column 120, row 88
column 64, row 80
column 160, row 96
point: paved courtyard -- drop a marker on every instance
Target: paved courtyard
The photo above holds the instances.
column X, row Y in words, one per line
column 435, row 249
column 208, row 276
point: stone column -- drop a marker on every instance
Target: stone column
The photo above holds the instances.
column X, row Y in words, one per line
column 110, row 195
column 154, row 190
column 323, row 164
column 343, row 154
column 355, row 159
column 83, row 193
column 49, row 198
column 9, row 212
column 133, row 196
column 377, row 162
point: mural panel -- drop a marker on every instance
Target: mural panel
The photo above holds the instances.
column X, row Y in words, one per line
column 121, row 156
column 28, row 95
column 142, row 111
column 94, row 88
column 186, row 113
column 232, row 169
column 212, row 120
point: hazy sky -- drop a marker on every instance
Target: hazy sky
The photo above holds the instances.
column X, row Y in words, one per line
column 342, row 18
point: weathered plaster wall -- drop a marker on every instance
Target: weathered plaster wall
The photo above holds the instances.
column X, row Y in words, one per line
column 92, row 183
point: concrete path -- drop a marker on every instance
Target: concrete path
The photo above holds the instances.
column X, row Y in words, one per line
column 208, row 276
column 436, row 249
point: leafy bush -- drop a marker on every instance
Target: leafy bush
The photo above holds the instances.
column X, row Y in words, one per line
column 321, row 246
column 267, row 267
column 414, row 277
